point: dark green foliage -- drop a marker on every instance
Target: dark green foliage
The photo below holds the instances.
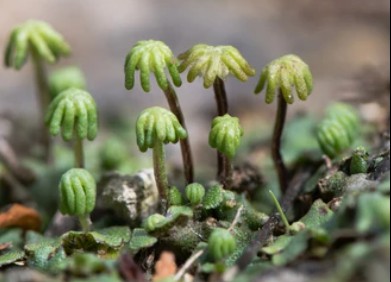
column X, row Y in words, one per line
column 45, row 253
column 106, row 242
column 158, row 223
column 141, row 239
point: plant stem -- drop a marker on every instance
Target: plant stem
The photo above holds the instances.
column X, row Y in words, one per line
column 85, row 222
column 188, row 264
column 159, row 167
column 187, row 159
column 220, row 96
column 280, row 211
column 276, row 143
column 43, row 100
column 226, row 175
column 236, row 219
column 222, row 109
column 79, row 152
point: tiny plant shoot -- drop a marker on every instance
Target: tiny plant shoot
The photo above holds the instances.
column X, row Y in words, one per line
column 338, row 130
column 221, row 243
column 215, row 63
column 155, row 56
column 74, row 113
column 225, row 136
column 65, row 78
column 195, row 193
column 282, row 74
column 155, row 127
column 77, row 195
column 39, row 40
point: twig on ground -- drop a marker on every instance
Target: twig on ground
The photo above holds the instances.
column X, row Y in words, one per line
column 187, row 265
column 236, row 219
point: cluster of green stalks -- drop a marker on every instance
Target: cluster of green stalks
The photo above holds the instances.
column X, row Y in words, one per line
column 68, row 108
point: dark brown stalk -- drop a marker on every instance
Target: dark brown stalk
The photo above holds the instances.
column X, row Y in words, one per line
column 226, row 176
column 276, row 144
column 222, row 109
column 44, row 101
column 184, row 143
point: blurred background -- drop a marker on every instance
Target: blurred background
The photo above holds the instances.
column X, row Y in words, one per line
column 344, row 42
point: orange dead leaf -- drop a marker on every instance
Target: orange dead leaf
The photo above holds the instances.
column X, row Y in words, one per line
column 165, row 266
column 20, row 216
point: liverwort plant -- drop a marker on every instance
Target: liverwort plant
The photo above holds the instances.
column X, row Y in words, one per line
column 155, row 127
column 77, row 195
column 214, row 64
column 338, row 130
column 225, row 136
column 64, row 78
column 39, row 40
column 74, row 113
column 195, row 193
column 283, row 74
column 221, row 243
column 155, row 56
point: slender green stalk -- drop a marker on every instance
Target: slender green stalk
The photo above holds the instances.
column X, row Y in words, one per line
column 276, row 143
column 222, row 109
column 44, row 100
column 280, row 211
column 160, row 173
column 78, row 152
column 187, row 159
column 85, row 222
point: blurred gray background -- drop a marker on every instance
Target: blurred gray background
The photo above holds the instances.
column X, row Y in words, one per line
column 336, row 38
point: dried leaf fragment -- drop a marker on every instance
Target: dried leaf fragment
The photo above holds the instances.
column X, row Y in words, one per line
column 21, row 216
column 165, row 266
